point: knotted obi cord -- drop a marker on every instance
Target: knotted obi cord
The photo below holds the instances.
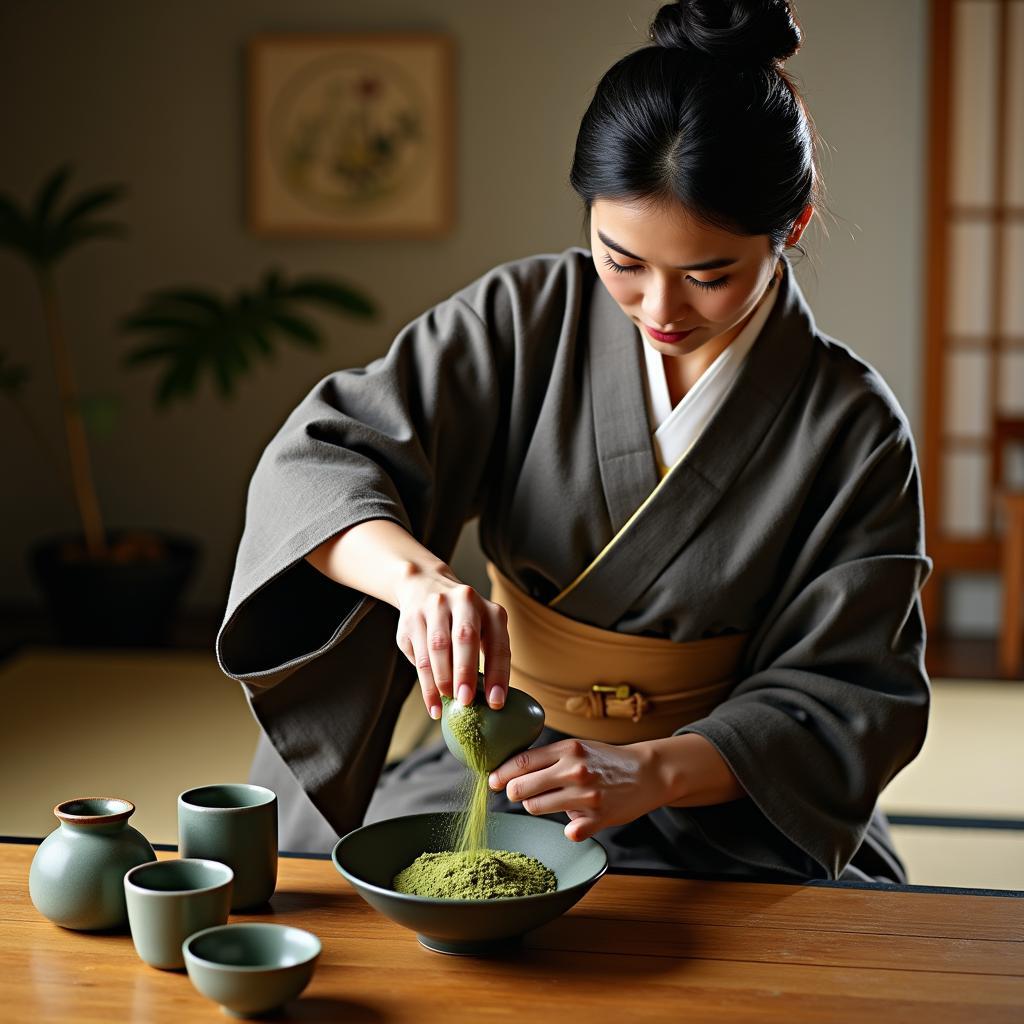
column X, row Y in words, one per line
column 598, row 684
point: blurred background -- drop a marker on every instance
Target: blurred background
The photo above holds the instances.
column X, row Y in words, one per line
column 143, row 239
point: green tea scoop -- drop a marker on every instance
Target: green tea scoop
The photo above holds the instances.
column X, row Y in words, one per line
column 482, row 738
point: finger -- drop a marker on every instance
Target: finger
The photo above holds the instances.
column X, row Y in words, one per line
column 533, row 784
column 531, row 760
column 403, row 637
column 580, row 828
column 497, row 654
column 465, row 643
column 439, row 642
column 417, row 633
column 565, row 798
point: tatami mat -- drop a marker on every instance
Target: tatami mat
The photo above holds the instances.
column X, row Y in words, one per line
column 136, row 724
column 972, row 762
column 147, row 724
column 971, row 857
column 143, row 725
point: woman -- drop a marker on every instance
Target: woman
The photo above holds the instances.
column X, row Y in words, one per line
column 701, row 514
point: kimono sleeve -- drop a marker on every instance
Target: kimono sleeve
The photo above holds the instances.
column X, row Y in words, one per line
column 407, row 438
column 835, row 698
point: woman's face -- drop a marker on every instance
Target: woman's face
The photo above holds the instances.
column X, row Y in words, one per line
column 670, row 272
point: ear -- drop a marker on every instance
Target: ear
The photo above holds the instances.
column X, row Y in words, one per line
column 800, row 224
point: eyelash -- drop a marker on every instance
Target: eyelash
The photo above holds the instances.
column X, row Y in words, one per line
column 710, row 286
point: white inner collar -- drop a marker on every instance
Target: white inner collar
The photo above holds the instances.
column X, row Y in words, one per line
column 675, row 429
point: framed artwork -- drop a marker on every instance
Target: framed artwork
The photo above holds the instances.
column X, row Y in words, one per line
column 351, row 135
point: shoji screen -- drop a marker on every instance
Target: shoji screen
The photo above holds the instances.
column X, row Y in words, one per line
column 975, row 283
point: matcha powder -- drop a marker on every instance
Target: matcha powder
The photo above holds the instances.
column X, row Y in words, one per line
column 480, row 875
column 471, row 871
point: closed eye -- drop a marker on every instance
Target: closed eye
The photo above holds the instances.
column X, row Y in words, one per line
column 619, row 268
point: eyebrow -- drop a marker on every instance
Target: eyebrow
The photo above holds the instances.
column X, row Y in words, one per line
column 706, row 265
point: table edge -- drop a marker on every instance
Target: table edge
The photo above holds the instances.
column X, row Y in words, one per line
column 818, row 883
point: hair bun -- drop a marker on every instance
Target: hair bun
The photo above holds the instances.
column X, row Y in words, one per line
column 754, row 32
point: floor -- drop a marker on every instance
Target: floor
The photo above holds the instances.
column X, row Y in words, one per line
column 147, row 724
column 143, row 725
column 972, row 769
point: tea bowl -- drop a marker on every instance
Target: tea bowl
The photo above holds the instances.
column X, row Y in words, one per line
column 369, row 858
column 250, row 968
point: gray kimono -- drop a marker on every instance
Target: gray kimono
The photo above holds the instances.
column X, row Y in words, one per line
column 796, row 516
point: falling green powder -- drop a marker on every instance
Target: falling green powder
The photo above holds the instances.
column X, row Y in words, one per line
column 467, row 728
column 471, row 871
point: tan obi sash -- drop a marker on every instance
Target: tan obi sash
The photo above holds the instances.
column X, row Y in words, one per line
column 601, row 685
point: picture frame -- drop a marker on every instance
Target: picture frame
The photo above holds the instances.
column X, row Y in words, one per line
column 350, row 135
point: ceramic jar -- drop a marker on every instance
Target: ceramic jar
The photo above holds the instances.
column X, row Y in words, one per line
column 77, row 874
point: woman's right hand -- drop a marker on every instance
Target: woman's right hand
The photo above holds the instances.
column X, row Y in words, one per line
column 443, row 626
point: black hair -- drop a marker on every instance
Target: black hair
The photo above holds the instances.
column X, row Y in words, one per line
column 706, row 117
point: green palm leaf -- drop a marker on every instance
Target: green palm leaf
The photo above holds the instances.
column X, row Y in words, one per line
column 223, row 376
column 41, row 235
column 192, row 333
column 151, row 353
column 154, row 319
column 272, row 282
column 192, row 297
column 231, row 362
column 14, row 228
column 48, row 193
column 180, row 378
column 90, row 202
column 297, row 328
column 332, row 294
column 259, row 336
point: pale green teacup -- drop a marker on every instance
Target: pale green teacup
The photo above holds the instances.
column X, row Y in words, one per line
column 236, row 824
column 252, row 968
column 169, row 900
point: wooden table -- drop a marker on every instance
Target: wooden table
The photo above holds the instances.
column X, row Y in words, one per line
column 636, row 948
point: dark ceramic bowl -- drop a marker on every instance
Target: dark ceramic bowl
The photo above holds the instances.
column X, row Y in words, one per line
column 251, row 968
column 371, row 856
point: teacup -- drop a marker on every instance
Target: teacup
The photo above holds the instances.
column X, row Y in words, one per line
column 235, row 824
column 251, row 968
column 169, row 900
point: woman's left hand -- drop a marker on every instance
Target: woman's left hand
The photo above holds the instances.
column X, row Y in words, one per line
column 596, row 784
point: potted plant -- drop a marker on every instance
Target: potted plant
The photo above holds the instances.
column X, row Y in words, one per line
column 123, row 586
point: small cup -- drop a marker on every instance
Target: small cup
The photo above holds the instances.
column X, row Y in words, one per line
column 235, row 824
column 251, row 968
column 169, row 900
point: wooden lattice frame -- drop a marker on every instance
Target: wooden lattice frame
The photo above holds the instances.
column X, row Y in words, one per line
column 952, row 553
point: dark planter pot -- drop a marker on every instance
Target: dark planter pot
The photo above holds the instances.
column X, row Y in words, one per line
column 131, row 602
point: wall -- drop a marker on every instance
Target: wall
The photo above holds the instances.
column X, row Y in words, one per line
column 151, row 94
